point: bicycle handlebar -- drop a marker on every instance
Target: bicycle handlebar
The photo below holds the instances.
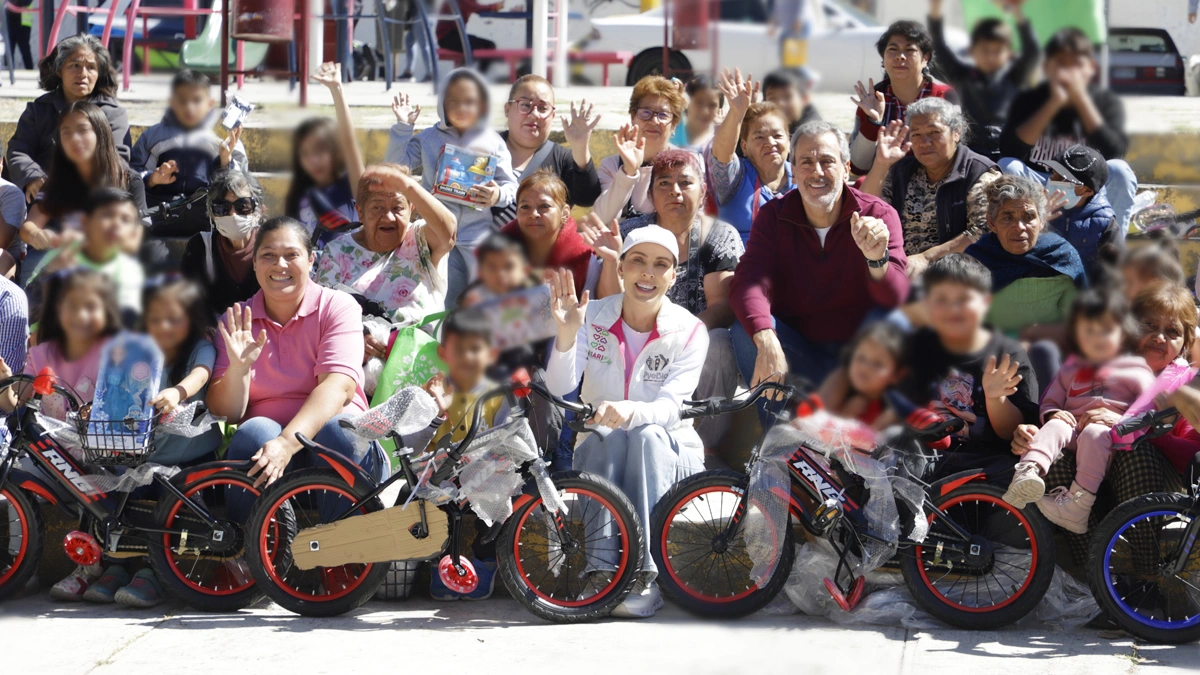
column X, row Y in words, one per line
column 1159, row 422
column 719, row 406
column 32, row 380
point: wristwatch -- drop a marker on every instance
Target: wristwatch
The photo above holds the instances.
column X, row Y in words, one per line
column 882, row 262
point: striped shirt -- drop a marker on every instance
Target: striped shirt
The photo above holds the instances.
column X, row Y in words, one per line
column 14, row 325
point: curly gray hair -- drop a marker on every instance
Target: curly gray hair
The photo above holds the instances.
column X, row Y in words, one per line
column 949, row 114
column 1015, row 188
column 818, row 129
column 237, row 182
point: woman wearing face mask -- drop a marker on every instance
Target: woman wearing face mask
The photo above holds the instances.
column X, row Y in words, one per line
column 223, row 260
column 393, row 260
column 84, row 158
column 655, row 352
column 530, row 114
column 938, row 187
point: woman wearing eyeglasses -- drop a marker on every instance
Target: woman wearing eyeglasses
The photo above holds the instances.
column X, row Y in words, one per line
column 223, row 261
column 530, row 113
column 655, row 108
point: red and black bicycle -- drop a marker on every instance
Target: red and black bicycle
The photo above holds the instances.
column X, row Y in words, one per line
column 723, row 540
column 194, row 548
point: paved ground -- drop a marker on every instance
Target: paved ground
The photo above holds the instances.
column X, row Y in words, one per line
column 498, row 637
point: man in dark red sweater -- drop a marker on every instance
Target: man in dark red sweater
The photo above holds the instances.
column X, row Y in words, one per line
column 820, row 261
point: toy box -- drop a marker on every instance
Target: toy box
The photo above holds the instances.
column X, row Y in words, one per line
column 459, row 170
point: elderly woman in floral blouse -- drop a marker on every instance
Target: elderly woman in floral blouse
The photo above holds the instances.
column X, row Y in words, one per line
column 393, row 260
column 933, row 180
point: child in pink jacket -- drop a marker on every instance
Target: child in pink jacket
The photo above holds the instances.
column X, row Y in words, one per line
column 1089, row 394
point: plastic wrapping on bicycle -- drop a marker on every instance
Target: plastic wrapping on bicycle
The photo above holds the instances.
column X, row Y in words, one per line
column 1156, row 422
column 719, row 406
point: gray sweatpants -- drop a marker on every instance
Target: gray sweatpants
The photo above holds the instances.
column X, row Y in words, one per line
column 644, row 463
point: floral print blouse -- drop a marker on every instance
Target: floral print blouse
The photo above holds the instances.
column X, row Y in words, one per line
column 404, row 280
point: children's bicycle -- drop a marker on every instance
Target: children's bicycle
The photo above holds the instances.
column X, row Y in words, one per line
column 723, row 540
column 1144, row 562
column 568, row 545
column 194, row 549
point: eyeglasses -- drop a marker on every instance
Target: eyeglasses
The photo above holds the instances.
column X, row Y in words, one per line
column 526, row 106
column 243, row 206
column 647, row 114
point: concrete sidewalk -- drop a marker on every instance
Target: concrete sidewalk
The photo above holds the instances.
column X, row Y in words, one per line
column 498, row 637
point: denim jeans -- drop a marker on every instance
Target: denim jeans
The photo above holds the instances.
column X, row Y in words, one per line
column 1120, row 189
column 252, row 434
column 458, row 275
column 644, row 462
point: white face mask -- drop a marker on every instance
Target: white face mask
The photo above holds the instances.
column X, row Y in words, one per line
column 236, row 227
column 1068, row 191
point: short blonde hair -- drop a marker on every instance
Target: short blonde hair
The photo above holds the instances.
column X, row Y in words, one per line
column 656, row 85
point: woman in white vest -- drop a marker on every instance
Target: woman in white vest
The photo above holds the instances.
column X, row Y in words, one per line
column 640, row 358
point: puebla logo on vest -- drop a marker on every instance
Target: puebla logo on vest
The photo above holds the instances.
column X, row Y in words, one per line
column 656, row 368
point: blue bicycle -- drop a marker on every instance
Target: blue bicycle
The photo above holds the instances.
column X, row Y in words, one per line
column 1144, row 563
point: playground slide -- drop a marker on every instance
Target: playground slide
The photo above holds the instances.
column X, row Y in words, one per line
column 204, row 53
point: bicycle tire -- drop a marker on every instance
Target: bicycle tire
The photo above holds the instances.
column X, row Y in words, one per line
column 205, row 583
column 1115, row 526
column 29, row 520
column 688, row 593
column 515, row 539
column 272, row 576
column 1040, row 541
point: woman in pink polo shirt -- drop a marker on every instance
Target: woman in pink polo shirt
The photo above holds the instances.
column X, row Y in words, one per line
column 290, row 360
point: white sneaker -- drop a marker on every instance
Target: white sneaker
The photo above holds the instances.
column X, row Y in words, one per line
column 643, row 600
column 73, row 587
column 1027, row 485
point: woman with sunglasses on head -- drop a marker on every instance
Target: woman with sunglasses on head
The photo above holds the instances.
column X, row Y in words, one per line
column 655, row 109
column 530, row 114
column 223, row 260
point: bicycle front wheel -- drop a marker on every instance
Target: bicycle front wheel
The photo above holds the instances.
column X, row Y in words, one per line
column 700, row 570
column 21, row 534
column 297, row 502
column 585, row 574
column 1127, row 568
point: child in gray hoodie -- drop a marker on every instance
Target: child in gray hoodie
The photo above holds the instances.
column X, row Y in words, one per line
column 463, row 110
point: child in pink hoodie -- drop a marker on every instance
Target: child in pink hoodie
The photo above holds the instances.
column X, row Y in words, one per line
column 1089, row 394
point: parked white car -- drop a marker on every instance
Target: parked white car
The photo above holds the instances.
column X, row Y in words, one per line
column 842, row 51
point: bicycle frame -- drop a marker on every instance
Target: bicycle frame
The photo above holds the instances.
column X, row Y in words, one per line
column 67, row 485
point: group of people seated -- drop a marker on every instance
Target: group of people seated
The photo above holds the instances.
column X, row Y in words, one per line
column 963, row 244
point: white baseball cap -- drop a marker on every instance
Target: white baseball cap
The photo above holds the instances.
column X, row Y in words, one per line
column 652, row 234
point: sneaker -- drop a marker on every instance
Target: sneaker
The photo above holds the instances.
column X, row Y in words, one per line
column 643, row 601
column 105, row 589
column 486, row 571
column 1026, row 486
column 76, row 584
column 144, row 591
column 1069, row 509
column 597, row 581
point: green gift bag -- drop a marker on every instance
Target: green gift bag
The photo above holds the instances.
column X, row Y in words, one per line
column 412, row 361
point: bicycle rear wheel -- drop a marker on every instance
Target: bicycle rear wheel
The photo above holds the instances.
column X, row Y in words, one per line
column 209, row 576
column 1129, row 551
column 298, row 501
column 1006, row 569
column 552, row 578
column 21, row 535
column 699, row 570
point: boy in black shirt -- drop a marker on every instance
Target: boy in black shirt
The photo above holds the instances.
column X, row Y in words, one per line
column 988, row 86
column 1065, row 110
column 961, row 369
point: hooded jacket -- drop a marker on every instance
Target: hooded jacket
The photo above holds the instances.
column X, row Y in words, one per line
column 196, row 152
column 31, row 148
column 420, row 152
column 662, row 376
column 1089, row 227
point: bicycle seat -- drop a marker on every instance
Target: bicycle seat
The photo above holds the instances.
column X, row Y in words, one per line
column 929, row 428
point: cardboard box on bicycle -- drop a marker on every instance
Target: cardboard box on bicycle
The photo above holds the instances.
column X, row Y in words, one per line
column 376, row 537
